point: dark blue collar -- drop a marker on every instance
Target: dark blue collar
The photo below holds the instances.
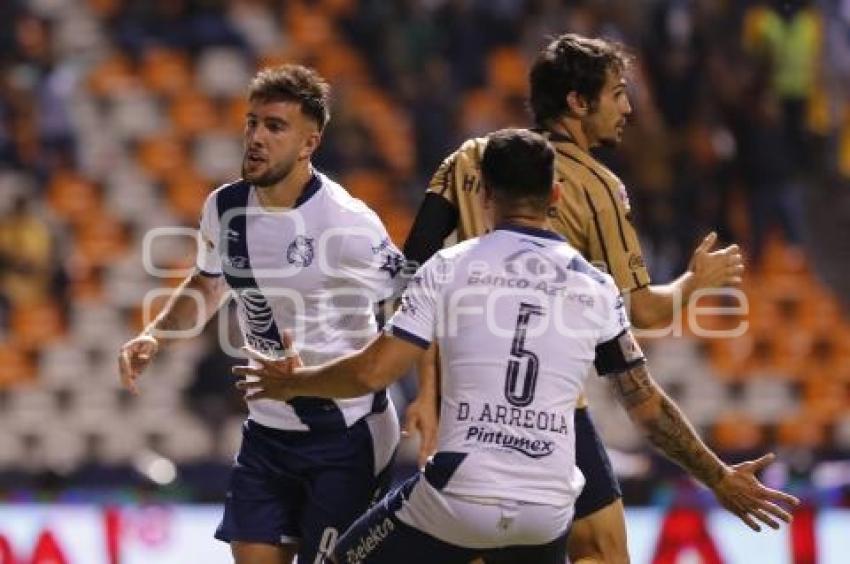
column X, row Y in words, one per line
column 310, row 189
column 533, row 231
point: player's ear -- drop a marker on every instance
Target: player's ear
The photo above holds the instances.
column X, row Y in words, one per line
column 577, row 105
column 555, row 195
column 311, row 143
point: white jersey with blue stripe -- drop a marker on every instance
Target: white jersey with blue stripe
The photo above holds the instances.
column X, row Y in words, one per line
column 519, row 317
column 316, row 269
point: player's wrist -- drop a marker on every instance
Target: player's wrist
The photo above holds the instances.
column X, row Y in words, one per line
column 689, row 282
column 718, row 478
column 150, row 332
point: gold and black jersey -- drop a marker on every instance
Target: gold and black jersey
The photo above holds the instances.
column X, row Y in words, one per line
column 593, row 213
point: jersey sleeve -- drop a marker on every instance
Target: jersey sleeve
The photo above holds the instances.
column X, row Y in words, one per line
column 369, row 257
column 616, row 349
column 613, row 242
column 415, row 320
column 443, row 181
column 208, row 260
column 435, row 220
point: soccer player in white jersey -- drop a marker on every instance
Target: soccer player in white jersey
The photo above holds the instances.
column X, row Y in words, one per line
column 519, row 316
column 298, row 253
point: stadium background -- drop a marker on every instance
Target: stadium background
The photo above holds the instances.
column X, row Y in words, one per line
column 119, row 116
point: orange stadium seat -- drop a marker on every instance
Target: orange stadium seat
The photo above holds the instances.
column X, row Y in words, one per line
column 729, row 357
column 482, row 112
column 736, row 432
column 15, row 367
column 113, row 75
column 825, row 397
column 165, row 71
column 87, row 285
column 779, row 258
column 281, row 56
column 71, row 196
column 36, row 325
column 234, row 115
column 370, row 186
column 398, row 220
column 507, row 71
column 338, row 8
column 101, row 239
column 162, row 156
column 801, row 430
column 192, row 112
column 338, row 62
column 308, row 27
column 186, row 192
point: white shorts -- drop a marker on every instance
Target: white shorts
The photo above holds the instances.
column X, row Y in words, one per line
column 482, row 523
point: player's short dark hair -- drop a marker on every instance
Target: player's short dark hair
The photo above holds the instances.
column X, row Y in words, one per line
column 518, row 168
column 571, row 63
column 294, row 83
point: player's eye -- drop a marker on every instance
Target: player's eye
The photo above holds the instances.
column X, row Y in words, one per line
column 275, row 126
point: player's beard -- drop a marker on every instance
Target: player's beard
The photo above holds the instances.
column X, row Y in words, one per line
column 272, row 176
column 615, row 138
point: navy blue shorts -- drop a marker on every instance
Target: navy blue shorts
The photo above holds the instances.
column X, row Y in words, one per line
column 601, row 488
column 300, row 487
column 379, row 537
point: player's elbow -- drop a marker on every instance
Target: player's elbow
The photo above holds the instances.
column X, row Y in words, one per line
column 369, row 382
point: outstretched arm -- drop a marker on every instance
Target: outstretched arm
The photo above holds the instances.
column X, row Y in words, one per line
column 736, row 487
column 658, row 303
column 372, row 368
column 191, row 304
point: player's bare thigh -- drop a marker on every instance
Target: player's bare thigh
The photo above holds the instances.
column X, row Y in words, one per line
column 600, row 537
column 260, row 553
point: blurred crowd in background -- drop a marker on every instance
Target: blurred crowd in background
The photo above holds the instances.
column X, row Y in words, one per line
column 119, row 116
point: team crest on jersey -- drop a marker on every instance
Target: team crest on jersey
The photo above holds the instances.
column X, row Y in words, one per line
column 300, row 252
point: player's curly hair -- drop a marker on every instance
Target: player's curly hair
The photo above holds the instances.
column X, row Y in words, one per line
column 294, row 83
column 571, row 63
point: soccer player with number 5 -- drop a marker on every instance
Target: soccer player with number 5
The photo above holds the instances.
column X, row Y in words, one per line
column 519, row 317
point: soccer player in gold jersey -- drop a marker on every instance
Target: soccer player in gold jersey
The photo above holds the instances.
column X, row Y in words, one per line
column 579, row 101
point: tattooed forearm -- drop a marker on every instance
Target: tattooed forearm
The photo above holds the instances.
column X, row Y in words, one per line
column 666, row 426
column 671, row 433
column 634, row 386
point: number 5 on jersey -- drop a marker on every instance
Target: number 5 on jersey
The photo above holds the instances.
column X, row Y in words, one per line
column 521, row 394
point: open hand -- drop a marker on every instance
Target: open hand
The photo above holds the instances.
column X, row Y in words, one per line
column 714, row 269
column 273, row 377
column 741, row 492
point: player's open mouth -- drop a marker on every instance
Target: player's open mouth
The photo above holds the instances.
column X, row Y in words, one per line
column 254, row 158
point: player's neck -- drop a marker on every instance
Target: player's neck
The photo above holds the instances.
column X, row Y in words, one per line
column 571, row 128
column 522, row 220
column 285, row 193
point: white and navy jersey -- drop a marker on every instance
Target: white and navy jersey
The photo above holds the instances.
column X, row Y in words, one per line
column 316, row 269
column 519, row 316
